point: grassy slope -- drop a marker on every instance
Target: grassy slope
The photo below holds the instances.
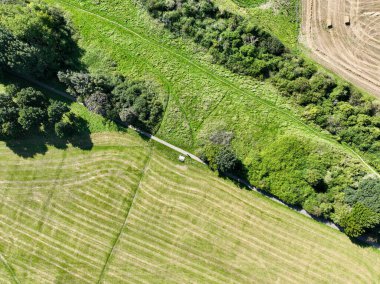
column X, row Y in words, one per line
column 127, row 211
column 119, row 36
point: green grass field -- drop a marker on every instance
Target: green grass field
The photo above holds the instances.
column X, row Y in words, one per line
column 127, row 211
column 118, row 35
column 117, row 208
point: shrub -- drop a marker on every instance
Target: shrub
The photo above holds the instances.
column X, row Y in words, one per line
column 359, row 219
column 226, row 160
column 116, row 98
column 56, row 110
column 367, row 193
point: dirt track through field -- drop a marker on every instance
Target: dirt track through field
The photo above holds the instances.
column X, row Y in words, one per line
column 350, row 49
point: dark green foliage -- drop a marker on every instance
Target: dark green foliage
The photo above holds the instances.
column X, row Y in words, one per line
column 27, row 111
column 32, row 109
column 16, row 55
column 29, row 97
column 116, row 98
column 67, row 127
column 368, row 193
column 31, row 118
column 338, row 108
column 226, row 160
column 56, row 110
column 359, row 219
column 231, row 40
column 8, row 116
column 98, row 102
column 218, row 153
column 36, row 39
column 81, row 84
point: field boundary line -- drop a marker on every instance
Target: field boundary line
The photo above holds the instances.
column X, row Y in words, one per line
column 9, row 269
column 126, row 217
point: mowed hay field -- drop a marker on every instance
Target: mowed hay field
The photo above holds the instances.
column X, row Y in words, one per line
column 127, row 211
column 351, row 50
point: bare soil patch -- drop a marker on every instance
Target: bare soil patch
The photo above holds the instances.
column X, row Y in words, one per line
column 351, row 45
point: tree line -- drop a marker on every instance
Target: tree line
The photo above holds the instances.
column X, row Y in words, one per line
column 38, row 40
column 27, row 111
column 116, row 98
column 303, row 178
column 247, row 49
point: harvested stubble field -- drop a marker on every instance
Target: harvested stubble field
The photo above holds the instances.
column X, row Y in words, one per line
column 351, row 50
column 128, row 212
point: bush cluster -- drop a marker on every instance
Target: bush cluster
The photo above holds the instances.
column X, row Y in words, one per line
column 241, row 46
column 336, row 107
column 116, row 98
column 218, row 153
column 365, row 201
column 28, row 111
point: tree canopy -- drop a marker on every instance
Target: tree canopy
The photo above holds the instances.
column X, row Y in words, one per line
column 116, row 98
column 36, row 39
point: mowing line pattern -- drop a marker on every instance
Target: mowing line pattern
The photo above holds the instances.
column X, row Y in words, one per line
column 121, row 214
column 190, row 228
column 126, row 219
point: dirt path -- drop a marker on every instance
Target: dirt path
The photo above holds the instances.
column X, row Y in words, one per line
column 352, row 49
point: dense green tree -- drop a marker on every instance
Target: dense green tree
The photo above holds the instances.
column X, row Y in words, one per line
column 36, row 39
column 29, row 97
column 359, row 219
column 81, row 84
column 67, row 127
column 98, row 102
column 56, row 110
column 31, row 118
column 367, row 193
column 28, row 111
column 117, row 98
column 226, row 160
column 8, row 116
column 32, row 109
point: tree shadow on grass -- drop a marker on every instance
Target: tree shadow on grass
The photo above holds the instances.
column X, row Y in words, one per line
column 365, row 242
column 32, row 145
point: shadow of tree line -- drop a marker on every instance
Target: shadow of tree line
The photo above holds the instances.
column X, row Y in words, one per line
column 29, row 146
